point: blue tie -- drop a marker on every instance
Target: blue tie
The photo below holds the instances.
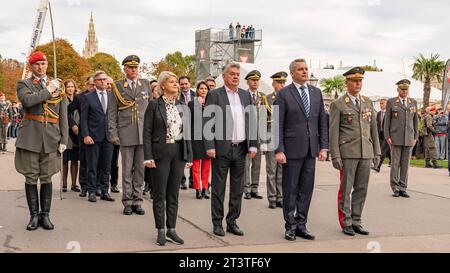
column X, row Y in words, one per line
column 305, row 99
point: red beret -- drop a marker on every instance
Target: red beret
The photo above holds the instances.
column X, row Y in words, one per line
column 36, row 57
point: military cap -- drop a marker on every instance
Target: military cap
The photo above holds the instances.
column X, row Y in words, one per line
column 404, row 84
column 36, row 57
column 279, row 76
column 356, row 73
column 131, row 60
column 253, row 75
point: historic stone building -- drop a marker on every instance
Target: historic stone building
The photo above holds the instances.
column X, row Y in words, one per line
column 91, row 43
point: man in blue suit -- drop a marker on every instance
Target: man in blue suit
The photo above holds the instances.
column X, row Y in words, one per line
column 303, row 136
column 94, row 130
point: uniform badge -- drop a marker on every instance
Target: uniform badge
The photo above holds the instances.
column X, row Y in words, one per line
column 144, row 95
column 362, row 99
column 347, row 100
column 125, row 85
column 139, row 83
column 395, row 114
column 349, row 118
column 35, row 82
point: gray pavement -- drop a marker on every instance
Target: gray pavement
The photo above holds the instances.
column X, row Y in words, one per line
column 418, row 224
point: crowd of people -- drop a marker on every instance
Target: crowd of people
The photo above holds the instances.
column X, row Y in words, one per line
column 241, row 31
column 159, row 129
column 11, row 115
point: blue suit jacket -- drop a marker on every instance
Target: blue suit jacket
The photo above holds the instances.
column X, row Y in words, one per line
column 93, row 121
column 297, row 133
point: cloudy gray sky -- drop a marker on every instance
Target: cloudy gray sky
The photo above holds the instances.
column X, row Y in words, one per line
column 354, row 31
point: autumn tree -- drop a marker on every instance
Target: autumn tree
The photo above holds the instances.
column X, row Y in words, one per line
column 107, row 63
column 11, row 73
column 176, row 63
column 70, row 65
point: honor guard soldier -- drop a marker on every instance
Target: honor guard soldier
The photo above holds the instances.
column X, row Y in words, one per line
column 126, row 121
column 253, row 165
column 401, row 131
column 428, row 131
column 273, row 168
column 5, row 120
column 43, row 133
column 353, row 143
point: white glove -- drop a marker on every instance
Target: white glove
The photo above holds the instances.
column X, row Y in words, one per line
column 53, row 86
column 62, row 148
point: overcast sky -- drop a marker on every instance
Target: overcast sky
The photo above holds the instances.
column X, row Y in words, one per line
column 354, row 31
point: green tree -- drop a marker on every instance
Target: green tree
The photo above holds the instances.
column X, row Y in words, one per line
column 107, row 63
column 428, row 70
column 176, row 63
column 335, row 84
column 70, row 65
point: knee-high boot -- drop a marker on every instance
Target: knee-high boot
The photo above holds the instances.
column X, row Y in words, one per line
column 31, row 193
column 46, row 202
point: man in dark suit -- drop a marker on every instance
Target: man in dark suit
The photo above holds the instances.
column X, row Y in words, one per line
column 385, row 150
column 227, row 143
column 186, row 95
column 94, row 130
column 303, row 136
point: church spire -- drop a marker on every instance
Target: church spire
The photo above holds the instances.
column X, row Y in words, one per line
column 91, row 43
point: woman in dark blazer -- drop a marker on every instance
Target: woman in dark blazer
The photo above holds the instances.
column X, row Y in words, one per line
column 201, row 159
column 167, row 152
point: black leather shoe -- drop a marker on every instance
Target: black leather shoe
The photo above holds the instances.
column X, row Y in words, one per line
column 138, row 210
column 98, row 193
column 183, row 186
column 304, row 234
column 114, row 189
column 349, row 231
column 92, row 197
column 247, row 195
column 64, row 189
column 83, row 193
column 128, row 210
column 280, row 204
column 218, row 230
column 161, row 240
column 289, row 235
column 205, row 194
column 396, row 194
column 75, row 188
column 234, row 229
column 256, row 195
column 360, row 230
column 107, row 197
column 404, row 194
column 173, row 237
column 272, row 205
column 198, row 194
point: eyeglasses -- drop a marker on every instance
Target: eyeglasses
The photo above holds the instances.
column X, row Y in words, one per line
column 104, row 79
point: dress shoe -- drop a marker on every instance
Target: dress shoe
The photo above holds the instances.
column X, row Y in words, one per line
column 161, row 240
column 173, row 237
column 247, row 196
column 138, row 210
column 198, row 194
column 98, row 193
column 289, row 235
column 304, row 234
column 64, row 189
column 234, row 229
column 92, row 197
column 183, row 186
column 404, row 194
column 83, row 193
column 272, row 205
column 349, row 231
column 280, row 204
column 256, row 195
column 218, row 230
column 360, row 230
column 128, row 210
column 396, row 194
column 75, row 188
column 114, row 189
column 205, row 194
column 107, row 197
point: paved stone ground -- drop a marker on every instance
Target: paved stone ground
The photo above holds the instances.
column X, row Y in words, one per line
column 418, row 224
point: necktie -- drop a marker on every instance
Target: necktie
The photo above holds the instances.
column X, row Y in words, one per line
column 305, row 100
column 42, row 81
column 357, row 103
column 186, row 98
column 133, row 86
column 404, row 102
column 254, row 98
column 103, row 101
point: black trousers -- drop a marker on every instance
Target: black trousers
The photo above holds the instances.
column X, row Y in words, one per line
column 115, row 166
column 385, row 151
column 166, row 179
column 235, row 163
column 99, row 157
column 148, row 177
column 298, row 185
column 83, row 166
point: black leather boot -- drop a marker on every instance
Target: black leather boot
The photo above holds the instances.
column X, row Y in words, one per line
column 427, row 164
column 33, row 205
column 436, row 165
column 46, row 202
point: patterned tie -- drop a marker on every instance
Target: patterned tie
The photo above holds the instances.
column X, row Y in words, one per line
column 305, row 100
column 42, row 82
column 103, row 101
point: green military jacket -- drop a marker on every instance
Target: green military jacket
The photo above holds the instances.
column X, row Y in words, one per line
column 401, row 122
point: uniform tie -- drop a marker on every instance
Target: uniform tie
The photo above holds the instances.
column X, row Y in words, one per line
column 357, row 103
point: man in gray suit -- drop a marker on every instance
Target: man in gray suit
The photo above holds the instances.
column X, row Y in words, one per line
column 126, row 121
column 401, row 131
column 44, row 132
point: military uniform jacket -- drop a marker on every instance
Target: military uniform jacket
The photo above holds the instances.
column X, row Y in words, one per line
column 125, row 124
column 401, row 122
column 353, row 131
column 34, row 134
column 6, row 113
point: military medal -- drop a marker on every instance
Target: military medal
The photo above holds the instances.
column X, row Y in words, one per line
column 349, row 118
column 395, row 114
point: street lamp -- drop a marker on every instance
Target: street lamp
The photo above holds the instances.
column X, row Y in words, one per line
column 313, row 80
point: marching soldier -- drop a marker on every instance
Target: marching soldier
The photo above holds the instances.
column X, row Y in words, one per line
column 253, row 165
column 273, row 168
column 401, row 132
column 44, row 132
column 5, row 120
column 353, row 143
column 126, row 121
column 429, row 144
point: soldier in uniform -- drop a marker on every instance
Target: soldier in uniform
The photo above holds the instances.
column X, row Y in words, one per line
column 401, row 131
column 5, row 120
column 44, row 132
column 273, row 168
column 126, row 121
column 253, row 165
column 353, row 143
column 429, row 144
